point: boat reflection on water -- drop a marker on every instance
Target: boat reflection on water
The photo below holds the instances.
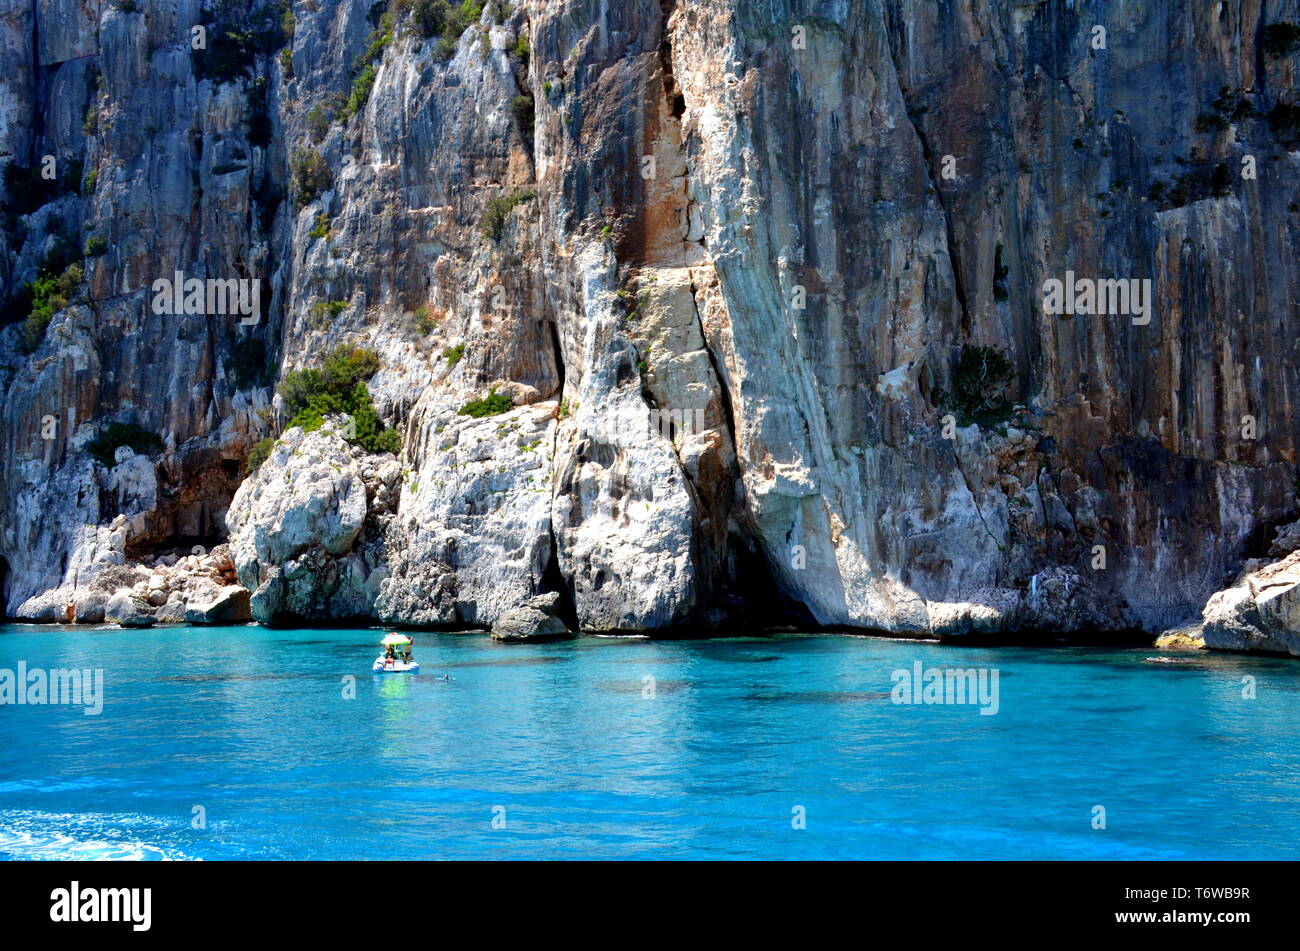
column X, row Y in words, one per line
column 393, row 688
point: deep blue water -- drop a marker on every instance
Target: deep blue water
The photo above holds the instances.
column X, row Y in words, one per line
column 251, row 725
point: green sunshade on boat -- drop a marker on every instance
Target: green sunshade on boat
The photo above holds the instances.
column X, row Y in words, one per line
column 392, row 640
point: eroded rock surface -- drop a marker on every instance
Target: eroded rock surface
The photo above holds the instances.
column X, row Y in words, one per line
column 472, row 538
column 1261, row 612
column 297, row 528
column 172, row 588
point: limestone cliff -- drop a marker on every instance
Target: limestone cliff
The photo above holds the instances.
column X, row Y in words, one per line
column 695, row 313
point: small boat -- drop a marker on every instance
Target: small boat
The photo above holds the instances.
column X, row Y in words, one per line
column 396, row 658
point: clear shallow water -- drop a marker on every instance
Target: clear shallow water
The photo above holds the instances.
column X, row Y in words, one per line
column 251, row 725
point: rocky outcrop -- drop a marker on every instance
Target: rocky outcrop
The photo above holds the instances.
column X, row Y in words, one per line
column 1261, row 612
column 112, row 88
column 1186, row 637
column 730, row 264
column 298, row 528
column 472, row 538
column 128, row 609
column 226, row 605
column 534, row 620
column 1287, row 541
column 107, row 585
column 839, row 404
column 171, row 588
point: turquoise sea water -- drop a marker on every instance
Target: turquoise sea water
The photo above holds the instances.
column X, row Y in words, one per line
column 564, row 745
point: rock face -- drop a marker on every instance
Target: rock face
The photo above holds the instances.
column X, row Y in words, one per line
column 737, row 270
column 296, row 529
column 472, row 538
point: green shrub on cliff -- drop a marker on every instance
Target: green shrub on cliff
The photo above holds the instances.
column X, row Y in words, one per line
column 328, row 309
column 1281, row 39
column 321, row 229
column 370, row 431
column 422, row 322
column 361, row 86
column 363, row 68
column 318, row 123
column 447, row 21
column 339, row 386
column 311, row 177
column 49, row 294
column 493, row 223
column 491, row 405
column 428, row 18
column 115, row 435
column 260, row 452
column 235, row 36
column 981, row 378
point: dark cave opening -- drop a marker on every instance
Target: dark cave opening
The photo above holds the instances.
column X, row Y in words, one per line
column 553, row 580
column 192, row 513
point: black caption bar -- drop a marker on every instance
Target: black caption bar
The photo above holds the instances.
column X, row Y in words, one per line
column 337, row 899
